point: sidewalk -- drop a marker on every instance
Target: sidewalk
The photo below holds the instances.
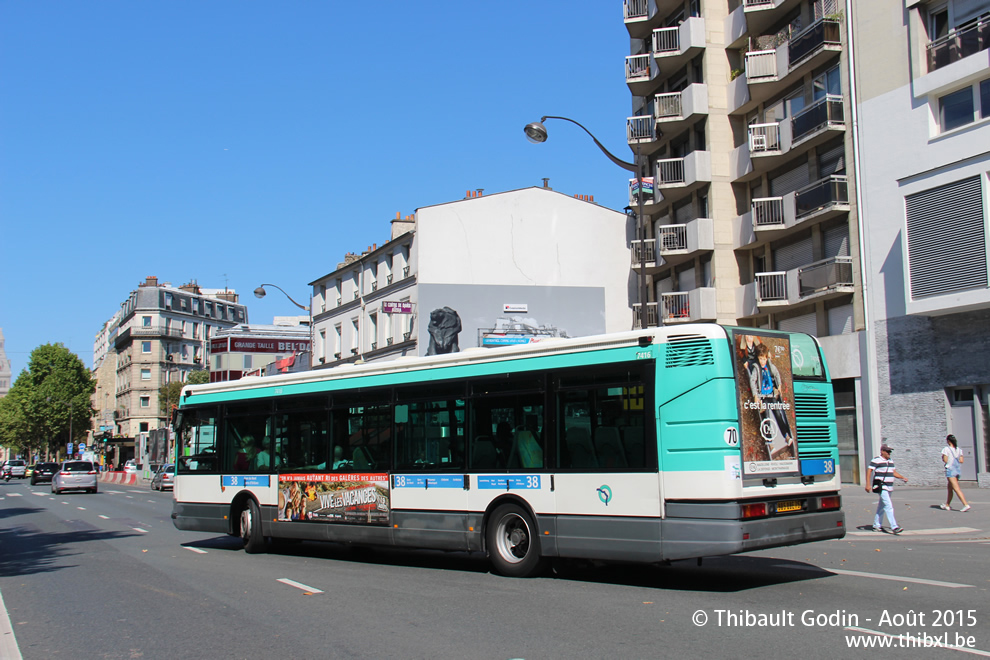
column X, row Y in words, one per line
column 918, row 513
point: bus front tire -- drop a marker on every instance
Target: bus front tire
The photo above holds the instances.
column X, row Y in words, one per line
column 250, row 519
column 513, row 543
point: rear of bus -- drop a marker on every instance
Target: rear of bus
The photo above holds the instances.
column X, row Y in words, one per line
column 747, row 443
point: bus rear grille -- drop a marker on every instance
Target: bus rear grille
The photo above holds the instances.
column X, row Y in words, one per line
column 689, row 351
column 812, row 434
column 810, row 405
column 811, row 455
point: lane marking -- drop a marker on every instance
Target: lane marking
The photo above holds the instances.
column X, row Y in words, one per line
column 81, row 508
column 115, row 492
column 38, row 493
column 880, row 576
column 104, row 517
column 918, row 641
column 138, row 529
column 919, row 532
column 130, row 497
column 13, row 494
column 8, row 643
column 299, row 585
column 196, row 550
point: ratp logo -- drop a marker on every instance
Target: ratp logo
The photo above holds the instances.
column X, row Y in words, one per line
column 604, row 494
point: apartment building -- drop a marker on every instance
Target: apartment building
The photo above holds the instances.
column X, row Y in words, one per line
column 742, row 108
column 260, row 349
column 922, row 87
column 488, row 270
column 162, row 334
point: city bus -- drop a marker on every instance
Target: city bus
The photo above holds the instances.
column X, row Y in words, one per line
column 646, row 446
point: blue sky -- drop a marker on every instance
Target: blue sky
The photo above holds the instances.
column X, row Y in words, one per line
column 235, row 143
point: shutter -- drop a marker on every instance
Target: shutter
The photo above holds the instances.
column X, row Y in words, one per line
column 837, row 242
column 945, row 226
column 789, row 181
column 794, row 255
column 967, row 10
column 683, row 213
column 685, row 280
column 832, row 161
column 808, row 323
column 840, row 320
column 665, row 285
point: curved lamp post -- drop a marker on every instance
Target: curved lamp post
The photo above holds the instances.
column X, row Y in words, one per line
column 536, row 133
column 260, row 293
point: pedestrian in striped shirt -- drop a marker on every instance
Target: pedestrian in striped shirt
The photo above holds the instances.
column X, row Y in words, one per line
column 883, row 471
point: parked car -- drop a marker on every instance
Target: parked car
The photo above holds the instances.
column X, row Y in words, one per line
column 17, row 467
column 130, row 467
column 75, row 475
column 28, row 471
column 163, row 478
column 43, row 472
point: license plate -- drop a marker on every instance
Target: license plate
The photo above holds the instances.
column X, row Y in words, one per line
column 789, row 505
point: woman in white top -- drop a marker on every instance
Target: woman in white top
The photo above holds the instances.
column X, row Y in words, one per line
column 952, row 456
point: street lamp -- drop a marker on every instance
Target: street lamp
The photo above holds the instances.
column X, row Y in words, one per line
column 537, row 133
column 260, row 293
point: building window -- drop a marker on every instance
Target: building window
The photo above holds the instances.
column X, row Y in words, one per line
column 168, row 301
column 195, row 305
column 195, row 333
column 247, row 362
column 146, row 347
column 985, row 99
column 146, row 402
column 146, row 321
column 956, row 109
column 146, row 374
column 143, row 426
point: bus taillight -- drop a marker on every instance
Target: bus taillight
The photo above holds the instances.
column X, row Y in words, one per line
column 754, row 510
column 831, row 502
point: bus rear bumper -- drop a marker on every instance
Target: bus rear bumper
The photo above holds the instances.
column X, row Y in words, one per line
column 685, row 538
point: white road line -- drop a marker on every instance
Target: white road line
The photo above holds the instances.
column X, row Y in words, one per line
column 196, row 550
column 138, row 529
column 64, row 502
column 300, row 585
column 104, row 517
column 38, row 493
column 130, row 497
column 918, row 642
column 879, row 576
column 115, row 492
column 81, row 508
column 919, row 532
column 13, row 494
column 135, row 491
column 8, row 643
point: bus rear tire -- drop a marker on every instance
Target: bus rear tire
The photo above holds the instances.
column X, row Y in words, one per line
column 513, row 543
column 250, row 520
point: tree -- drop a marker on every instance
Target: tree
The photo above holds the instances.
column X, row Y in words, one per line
column 168, row 397
column 15, row 427
column 198, row 377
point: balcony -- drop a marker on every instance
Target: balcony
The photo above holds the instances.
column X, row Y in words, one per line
column 817, row 120
column 959, row 43
column 651, row 315
column 677, row 244
column 641, row 73
column 768, row 72
column 673, row 111
column 673, row 47
column 688, row 306
column 772, row 218
column 676, row 178
column 637, row 15
column 641, row 130
column 821, row 280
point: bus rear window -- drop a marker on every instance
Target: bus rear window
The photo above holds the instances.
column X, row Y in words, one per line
column 806, row 360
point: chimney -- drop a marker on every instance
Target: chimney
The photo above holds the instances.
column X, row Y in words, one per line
column 546, row 183
column 151, row 280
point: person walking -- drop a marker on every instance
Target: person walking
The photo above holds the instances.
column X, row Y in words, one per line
column 952, row 456
column 883, row 470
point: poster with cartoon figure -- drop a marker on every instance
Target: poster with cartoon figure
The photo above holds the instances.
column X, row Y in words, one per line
column 765, row 387
column 351, row 498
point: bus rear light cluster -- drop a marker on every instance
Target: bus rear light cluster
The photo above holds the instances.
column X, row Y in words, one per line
column 754, row 510
column 831, row 502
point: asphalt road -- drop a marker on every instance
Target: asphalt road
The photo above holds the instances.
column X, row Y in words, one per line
column 108, row 576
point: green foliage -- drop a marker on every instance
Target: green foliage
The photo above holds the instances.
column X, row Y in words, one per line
column 198, row 377
column 168, row 396
column 48, row 398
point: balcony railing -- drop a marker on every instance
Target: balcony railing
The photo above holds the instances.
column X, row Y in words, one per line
column 668, row 105
column 643, row 252
column 640, row 128
column 676, row 306
column 666, row 40
column 670, row 170
column 651, row 314
column 635, row 9
column 807, row 42
column 825, row 275
column 822, row 194
column 155, row 331
column 757, row 4
column 771, row 287
column 824, row 112
column 761, row 64
column 672, row 237
column 959, row 43
column 764, row 137
column 638, row 66
column 768, row 212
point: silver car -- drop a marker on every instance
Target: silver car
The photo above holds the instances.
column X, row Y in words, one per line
column 75, row 475
column 163, row 478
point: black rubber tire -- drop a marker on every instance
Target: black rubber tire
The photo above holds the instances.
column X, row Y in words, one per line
column 250, row 527
column 513, row 543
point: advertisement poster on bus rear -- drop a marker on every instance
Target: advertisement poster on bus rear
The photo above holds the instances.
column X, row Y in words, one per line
column 765, row 387
column 347, row 497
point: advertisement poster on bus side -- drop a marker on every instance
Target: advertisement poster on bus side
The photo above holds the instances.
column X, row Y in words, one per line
column 765, row 388
column 348, row 497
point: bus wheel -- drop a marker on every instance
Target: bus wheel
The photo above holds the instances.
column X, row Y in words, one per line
column 513, row 545
column 254, row 542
